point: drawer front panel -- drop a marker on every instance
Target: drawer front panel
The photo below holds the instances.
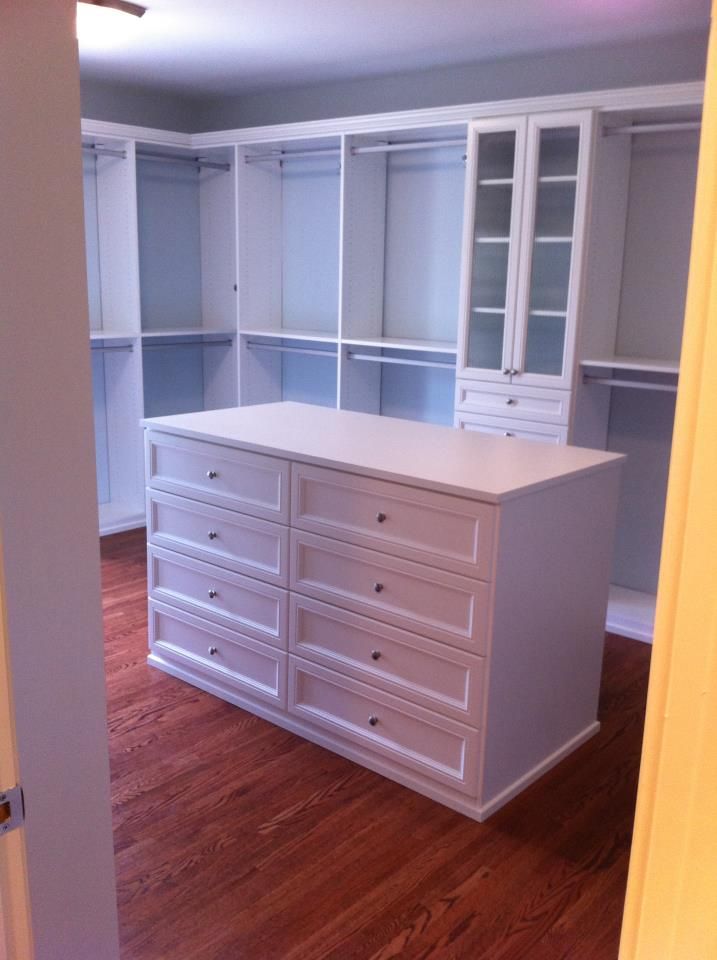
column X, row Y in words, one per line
column 522, row 403
column 434, row 528
column 441, row 678
column 258, row 609
column 248, row 482
column 435, row 746
column 234, row 540
column 503, row 427
column 252, row 667
column 430, row 602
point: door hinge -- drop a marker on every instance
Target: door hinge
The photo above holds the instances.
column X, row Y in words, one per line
column 12, row 809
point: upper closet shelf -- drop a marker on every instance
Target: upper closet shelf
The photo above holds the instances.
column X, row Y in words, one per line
column 112, row 335
column 186, row 332
column 635, row 364
column 290, row 334
column 398, row 343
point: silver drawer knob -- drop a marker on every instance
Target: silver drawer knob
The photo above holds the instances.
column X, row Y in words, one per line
column 377, row 587
column 514, row 371
column 213, row 651
column 506, row 372
column 375, row 654
column 508, row 434
column 212, row 593
column 212, row 534
column 510, row 401
column 373, row 720
column 212, row 474
column 380, row 517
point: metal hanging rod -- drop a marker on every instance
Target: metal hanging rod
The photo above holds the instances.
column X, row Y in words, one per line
column 635, row 128
column 99, row 149
column 375, row 358
column 175, row 158
column 125, row 348
column 632, row 384
column 280, row 348
column 186, row 343
column 282, row 155
column 412, row 145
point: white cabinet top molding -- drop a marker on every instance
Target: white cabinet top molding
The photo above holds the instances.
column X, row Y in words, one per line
column 473, row 465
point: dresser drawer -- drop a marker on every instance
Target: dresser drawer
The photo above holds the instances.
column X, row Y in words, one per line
column 522, row 403
column 237, row 479
column 430, row 602
column 434, row 528
column 504, row 427
column 432, row 674
column 435, row 746
column 252, row 667
column 258, row 609
column 234, row 540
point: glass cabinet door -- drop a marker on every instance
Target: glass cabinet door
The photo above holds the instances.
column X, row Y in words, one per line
column 494, row 191
column 547, row 296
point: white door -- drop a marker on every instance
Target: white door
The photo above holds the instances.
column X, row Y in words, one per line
column 56, row 870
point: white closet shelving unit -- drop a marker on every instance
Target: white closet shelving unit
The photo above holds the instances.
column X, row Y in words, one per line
column 357, row 262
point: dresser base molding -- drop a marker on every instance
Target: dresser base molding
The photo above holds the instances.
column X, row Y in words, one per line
column 434, row 791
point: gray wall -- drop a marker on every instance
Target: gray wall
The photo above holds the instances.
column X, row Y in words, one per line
column 652, row 60
column 120, row 103
column 655, row 60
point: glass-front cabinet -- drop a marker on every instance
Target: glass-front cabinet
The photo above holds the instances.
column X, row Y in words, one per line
column 526, row 202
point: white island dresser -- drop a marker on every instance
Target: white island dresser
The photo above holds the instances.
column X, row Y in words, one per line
column 427, row 602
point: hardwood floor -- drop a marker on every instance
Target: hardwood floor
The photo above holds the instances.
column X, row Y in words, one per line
column 238, row 841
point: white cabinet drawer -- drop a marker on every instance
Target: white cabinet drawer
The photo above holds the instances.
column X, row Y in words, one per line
column 258, row 609
column 422, row 525
column 237, row 479
column 234, row 540
column 435, row 746
column 503, row 427
column 430, row 602
column 432, row 674
column 251, row 667
column 522, row 403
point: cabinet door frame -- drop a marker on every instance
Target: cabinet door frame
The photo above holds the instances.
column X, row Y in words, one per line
column 477, row 128
column 584, row 121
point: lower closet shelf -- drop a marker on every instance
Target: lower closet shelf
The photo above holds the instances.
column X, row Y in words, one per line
column 465, row 688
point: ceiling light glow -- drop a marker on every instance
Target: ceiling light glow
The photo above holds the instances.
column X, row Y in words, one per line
column 102, row 24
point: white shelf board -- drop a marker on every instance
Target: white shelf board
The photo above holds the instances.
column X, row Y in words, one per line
column 496, row 182
column 487, row 309
column 631, row 613
column 492, row 240
column 553, row 239
column 563, row 178
column 113, row 335
column 397, row 343
column 186, row 332
column 636, row 364
column 548, row 313
column 116, row 516
column 318, row 335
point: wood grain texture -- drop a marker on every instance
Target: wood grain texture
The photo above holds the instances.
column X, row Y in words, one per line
column 235, row 839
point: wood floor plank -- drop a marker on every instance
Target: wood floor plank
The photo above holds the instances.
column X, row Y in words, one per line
column 236, row 840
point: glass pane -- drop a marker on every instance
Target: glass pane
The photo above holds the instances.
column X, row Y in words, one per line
column 555, row 210
column 559, row 152
column 496, row 155
column 550, row 276
column 490, row 275
column 544, row 348
column 493, row 207
column 485, row 342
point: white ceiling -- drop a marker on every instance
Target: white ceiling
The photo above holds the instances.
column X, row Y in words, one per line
column 210, row 47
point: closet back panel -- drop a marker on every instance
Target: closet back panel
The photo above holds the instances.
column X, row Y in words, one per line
column 92, row 242
column 173, row 380
column 418, row 393
column 99, row 406
column 310, row 244
column 657, row 244
column 169, row 245
column 641, row 426
column 309, row 379
column 424, row 222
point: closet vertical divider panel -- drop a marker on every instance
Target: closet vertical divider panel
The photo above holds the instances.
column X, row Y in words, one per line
column 113, row 282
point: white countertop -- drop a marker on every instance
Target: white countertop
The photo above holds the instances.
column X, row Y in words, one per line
column 470, row 464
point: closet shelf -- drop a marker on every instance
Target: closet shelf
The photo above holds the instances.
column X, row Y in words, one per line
column 563, row 178
column 186, row 332
column 397, row 343
column 318, row 335
column 492, row 239
column 553, row 239
column 497, row 310
column 496, row 182
column 635, row 364
column 113, row 335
